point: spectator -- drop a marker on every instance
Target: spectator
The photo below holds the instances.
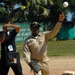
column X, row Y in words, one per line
column 9, row 45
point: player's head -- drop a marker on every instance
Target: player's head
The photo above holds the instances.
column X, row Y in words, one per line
column 7, row 20
column 34, row 26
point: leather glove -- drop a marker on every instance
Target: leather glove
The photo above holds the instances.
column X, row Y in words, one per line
column 34, row 66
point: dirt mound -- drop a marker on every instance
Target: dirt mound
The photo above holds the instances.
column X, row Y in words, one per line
column 57, row 66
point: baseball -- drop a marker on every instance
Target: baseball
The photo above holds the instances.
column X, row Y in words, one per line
column 65, row 4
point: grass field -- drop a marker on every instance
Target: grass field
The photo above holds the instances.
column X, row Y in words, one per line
column 55, row 48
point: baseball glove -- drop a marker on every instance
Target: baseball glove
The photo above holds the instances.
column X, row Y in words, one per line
column 34, row 66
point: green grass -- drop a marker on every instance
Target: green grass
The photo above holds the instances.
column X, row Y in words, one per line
column 61, row 48
column 55, row 48
column 19, row 47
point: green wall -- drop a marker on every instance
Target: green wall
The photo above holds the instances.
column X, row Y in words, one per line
column 24, row 31
column 64, row 33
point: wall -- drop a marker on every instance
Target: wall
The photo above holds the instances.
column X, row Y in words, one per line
column 67, row 31
column 24, row 31
column 63, row 34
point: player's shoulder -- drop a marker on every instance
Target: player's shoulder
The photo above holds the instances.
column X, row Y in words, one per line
column 28, row 38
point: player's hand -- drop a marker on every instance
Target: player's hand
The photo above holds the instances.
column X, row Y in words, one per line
column 61, row 17
column 7, row 25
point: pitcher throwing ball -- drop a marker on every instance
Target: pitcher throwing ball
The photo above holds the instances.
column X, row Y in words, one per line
column 35, row 47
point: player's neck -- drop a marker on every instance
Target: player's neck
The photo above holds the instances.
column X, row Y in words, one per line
column 34, row 35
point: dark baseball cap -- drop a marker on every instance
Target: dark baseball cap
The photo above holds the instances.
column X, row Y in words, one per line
column 34, row 24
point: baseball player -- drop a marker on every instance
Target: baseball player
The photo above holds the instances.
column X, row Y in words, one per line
column 35, row 46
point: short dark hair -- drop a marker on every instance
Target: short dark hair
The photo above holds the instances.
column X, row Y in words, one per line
column 6, row 20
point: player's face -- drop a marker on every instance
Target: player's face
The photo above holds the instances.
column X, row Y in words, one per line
column 35, row 30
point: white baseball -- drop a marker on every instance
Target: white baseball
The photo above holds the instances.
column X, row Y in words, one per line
column 65, row 4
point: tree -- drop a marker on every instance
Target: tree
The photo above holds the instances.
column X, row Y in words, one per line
column 39, row 10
